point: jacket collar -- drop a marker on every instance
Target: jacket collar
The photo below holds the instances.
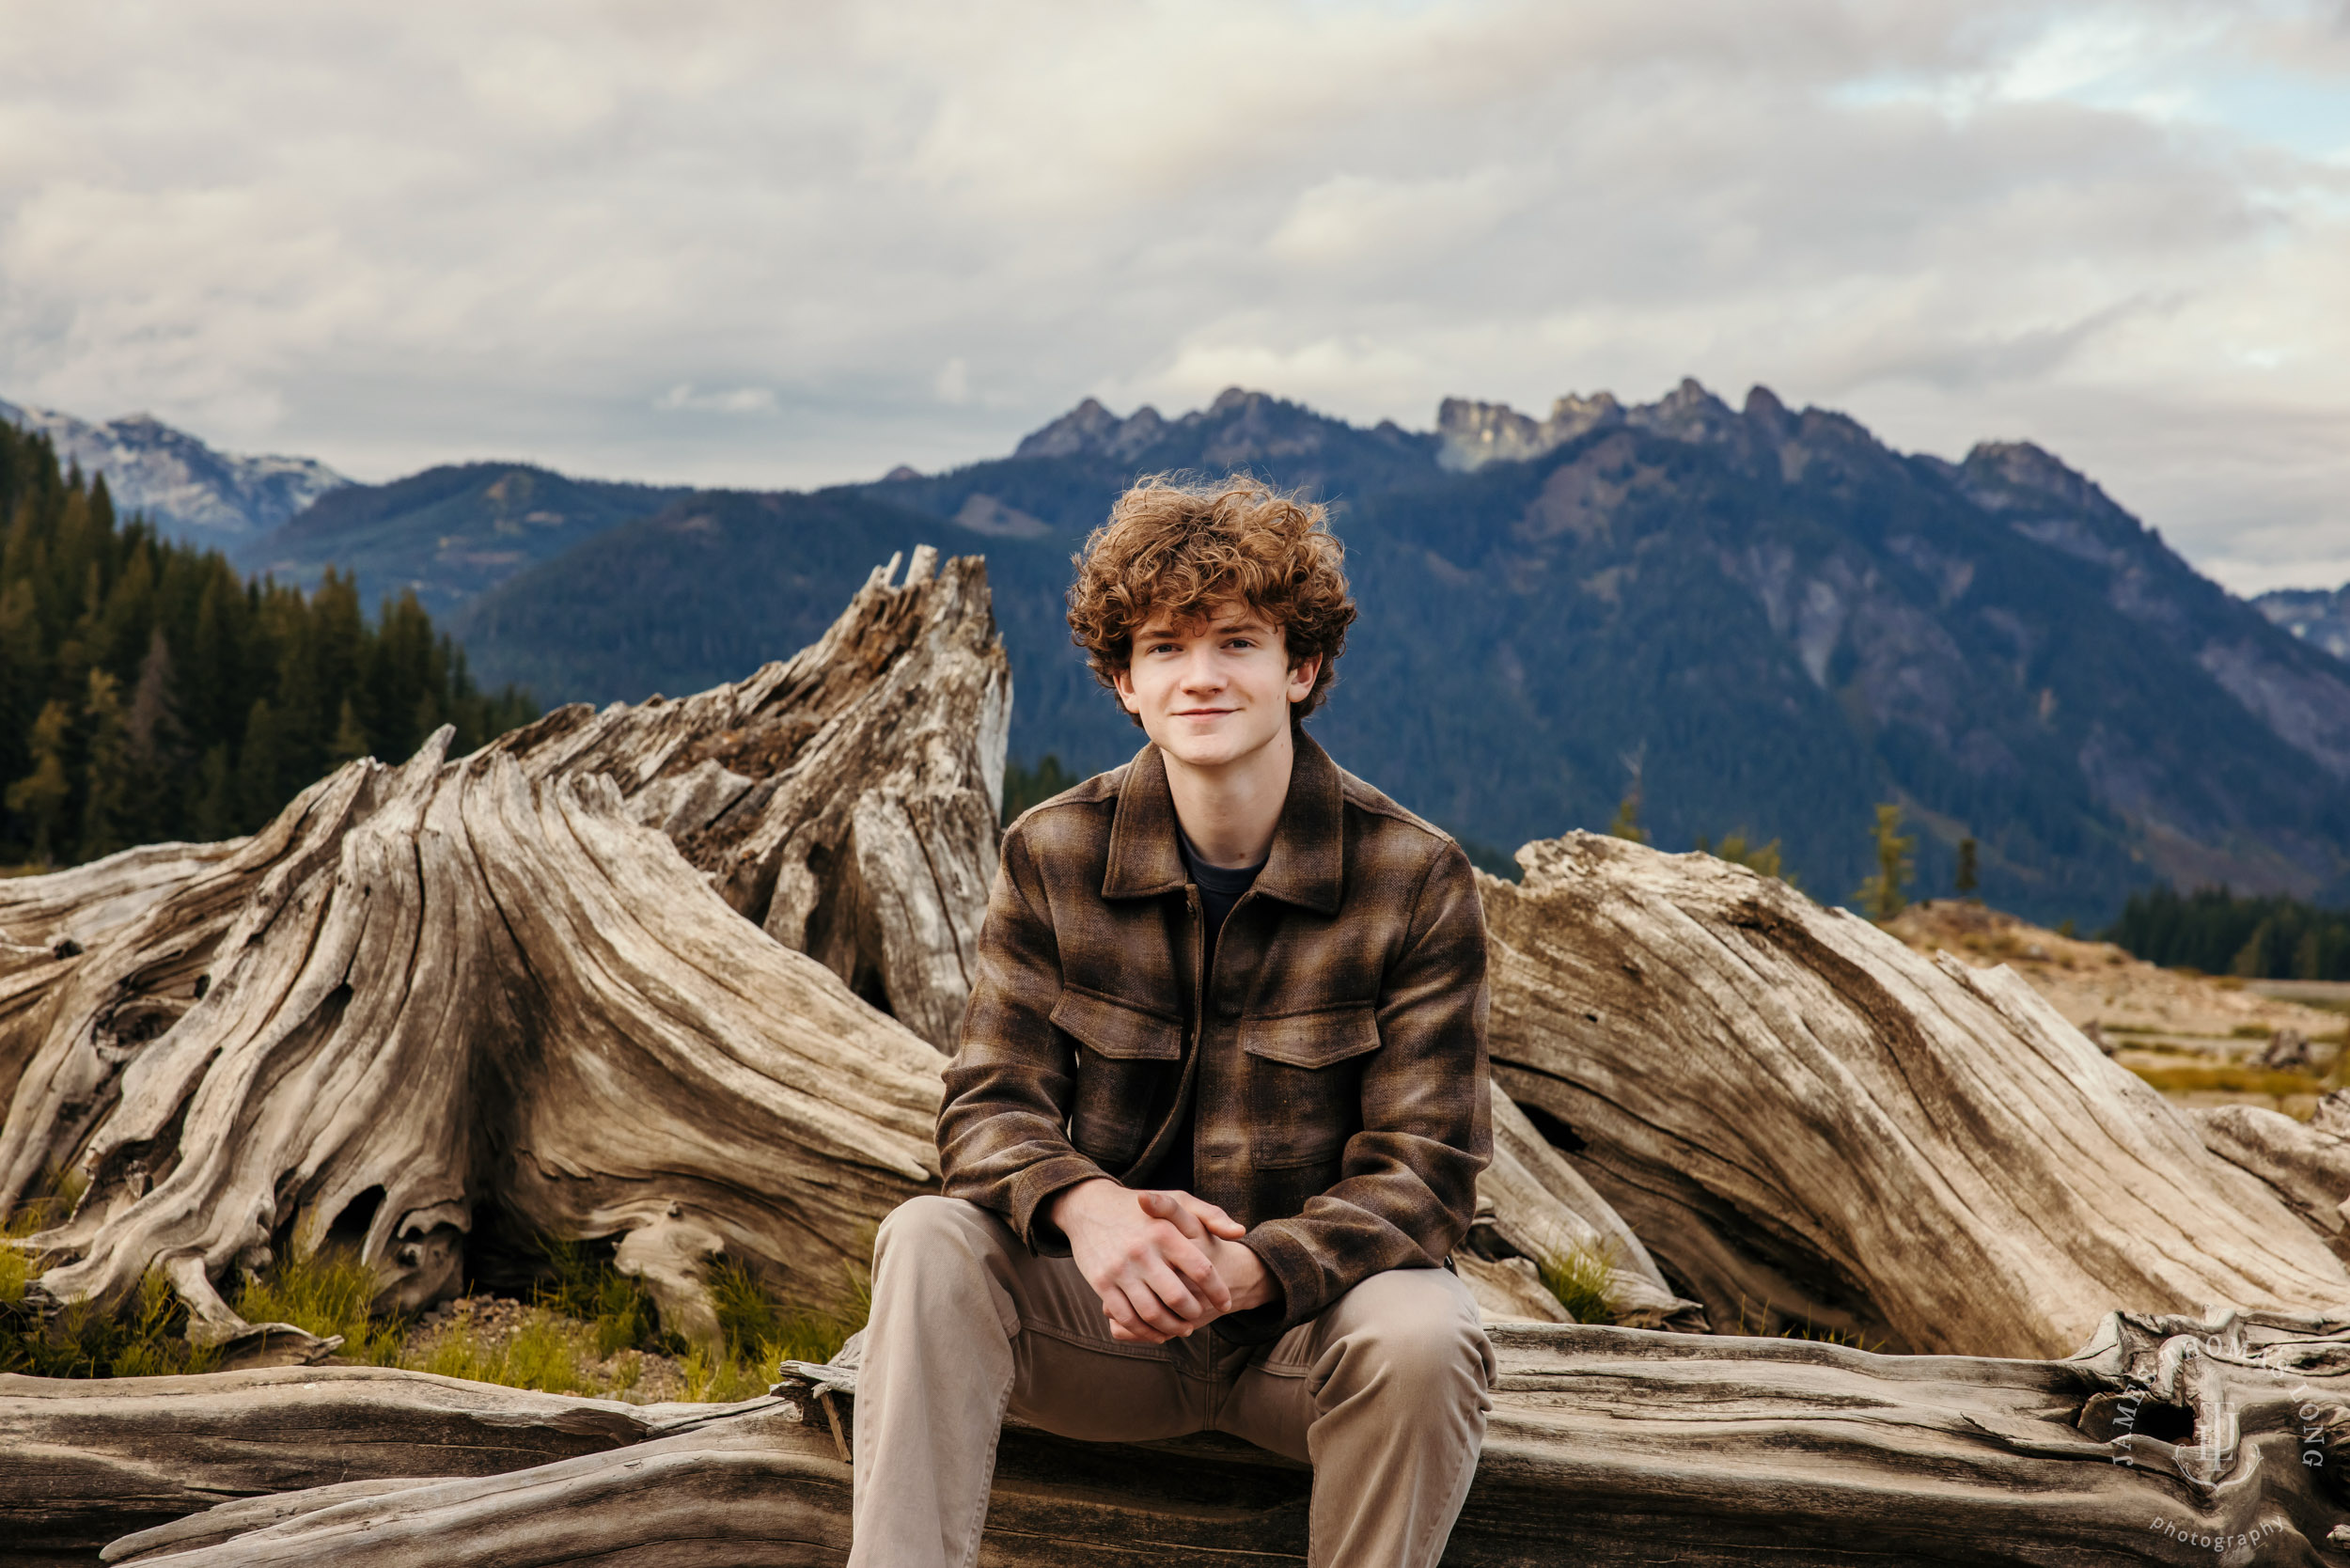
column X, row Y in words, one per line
column 1306, row 866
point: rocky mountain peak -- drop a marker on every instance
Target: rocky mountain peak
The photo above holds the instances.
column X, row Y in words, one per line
column 1472, row 434
column 2008, row 476
column 185, row 487
column 2319, row 616
column 1091, row 430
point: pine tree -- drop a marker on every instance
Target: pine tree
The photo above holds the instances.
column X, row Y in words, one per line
column 260, row 768
column 1965, row 882
column 1881, row 895
column 351, row 740
column 213, row 804
column 158, row 744
column 106, row 788
column 41, row 795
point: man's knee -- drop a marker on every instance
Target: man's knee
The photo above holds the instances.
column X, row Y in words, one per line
column 1415, row 1334
column 935, row 1229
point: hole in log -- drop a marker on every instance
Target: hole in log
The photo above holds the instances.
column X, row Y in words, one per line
column 1554, row 1129
column 2134, row 1413
column 350, row 1228
column 871, row 991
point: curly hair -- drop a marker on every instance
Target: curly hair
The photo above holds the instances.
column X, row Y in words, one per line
column 1186, row 546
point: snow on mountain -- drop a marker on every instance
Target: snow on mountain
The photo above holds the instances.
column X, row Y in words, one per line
column 187, row 489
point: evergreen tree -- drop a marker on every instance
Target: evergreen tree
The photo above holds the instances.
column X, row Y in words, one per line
column 1881, row 896
column 146, row 693
column 40, row 797
column 106, row 791
column 1965, row 882
column 260, row 767
column 350, row 739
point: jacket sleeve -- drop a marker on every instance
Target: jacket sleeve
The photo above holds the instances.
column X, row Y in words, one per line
column 1407, row 1191
column 1003, row 1140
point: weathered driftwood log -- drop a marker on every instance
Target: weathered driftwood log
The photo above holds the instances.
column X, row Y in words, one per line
column 1533, row 1206
column 1607, row 1446
column 2306, row 1164
column 87, row 1461
column 846, row 798
column 1803, row 1118
column 453, row 984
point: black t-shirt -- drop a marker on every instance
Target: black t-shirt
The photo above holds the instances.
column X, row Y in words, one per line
column 1220, row 887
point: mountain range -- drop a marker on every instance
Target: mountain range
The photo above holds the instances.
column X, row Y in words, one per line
column 188, row 489
column 2315, row 614
column 1758, row 618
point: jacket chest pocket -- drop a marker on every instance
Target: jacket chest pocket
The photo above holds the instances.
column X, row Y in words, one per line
column 1123, row 1054
column 1305, row 1084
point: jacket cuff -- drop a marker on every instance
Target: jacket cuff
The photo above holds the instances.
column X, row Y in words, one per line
column 1032, row 1192
column 1294, row 1276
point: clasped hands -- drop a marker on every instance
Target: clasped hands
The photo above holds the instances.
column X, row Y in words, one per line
column 1163, row 1263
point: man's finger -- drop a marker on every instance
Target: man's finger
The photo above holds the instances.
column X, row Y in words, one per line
column 1193, row 1264
column 1124, row 1324
column 1169, row 1288
column 1216, row 1220
column 1169, row 1206
column 1151, row 1310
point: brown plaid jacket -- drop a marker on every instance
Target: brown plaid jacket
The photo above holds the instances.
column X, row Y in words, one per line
column 1337, row 1052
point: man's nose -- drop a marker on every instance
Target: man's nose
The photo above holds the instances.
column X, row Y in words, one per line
column 1203, row 673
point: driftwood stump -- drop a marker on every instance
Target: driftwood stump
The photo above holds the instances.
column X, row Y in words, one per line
column 1607, row 1446
column 1805, row 1120
column 485, row 984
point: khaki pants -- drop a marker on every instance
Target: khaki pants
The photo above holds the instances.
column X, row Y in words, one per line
column 1385, row 1393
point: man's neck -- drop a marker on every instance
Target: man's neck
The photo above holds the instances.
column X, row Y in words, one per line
column 1229, row 812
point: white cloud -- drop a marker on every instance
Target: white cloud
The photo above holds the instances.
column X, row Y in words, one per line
column 740, row 400
column 395, row 236
column 953, row 381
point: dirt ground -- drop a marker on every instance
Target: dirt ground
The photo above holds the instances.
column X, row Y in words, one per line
column 2202, row 1039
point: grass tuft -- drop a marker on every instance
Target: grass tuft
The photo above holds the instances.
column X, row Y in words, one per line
column 147, row 1338
column 584, row 1285
column 327, row 1292
column 1578, row 1277
column 1805, row 1329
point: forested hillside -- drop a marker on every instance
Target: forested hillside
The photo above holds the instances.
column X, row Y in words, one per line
column 148, row 693
column 2222, row 933
column 1760, row 619
column 448, row 533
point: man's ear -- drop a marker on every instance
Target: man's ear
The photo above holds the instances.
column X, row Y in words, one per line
column 1303, row 675
column 1124, row 678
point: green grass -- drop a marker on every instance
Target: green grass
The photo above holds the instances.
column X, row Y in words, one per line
column 761, row 1333
column 146, row 1339
column 2231, row 1079
column 584, row 1311
column 1578, row 1277
column 327, row 1292
column 547, row 1354
column 615, row 1306
column 1803, row 1329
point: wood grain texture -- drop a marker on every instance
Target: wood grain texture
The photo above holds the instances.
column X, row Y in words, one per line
column 845, row 799
column 487, row 980
column 1791, row 1108
column 1607, row 1446
column 89, row 1461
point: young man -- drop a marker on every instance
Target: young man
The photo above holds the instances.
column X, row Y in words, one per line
column 1223, row 1068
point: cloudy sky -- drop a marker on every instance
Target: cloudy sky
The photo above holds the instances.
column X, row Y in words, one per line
column 776, row 244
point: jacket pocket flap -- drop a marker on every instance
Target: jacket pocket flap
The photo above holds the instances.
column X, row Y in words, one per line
column 1113, row 1028
column 1312, row 1039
